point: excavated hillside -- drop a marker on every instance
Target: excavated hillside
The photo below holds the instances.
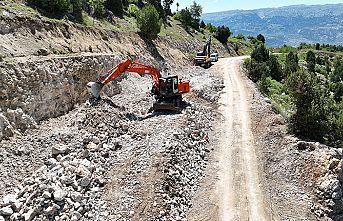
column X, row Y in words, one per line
column 63, row 158
column 226, row 156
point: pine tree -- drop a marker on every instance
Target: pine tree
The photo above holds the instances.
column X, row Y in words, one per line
column 115, row 6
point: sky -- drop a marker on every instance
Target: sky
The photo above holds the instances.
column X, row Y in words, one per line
column 225, row 5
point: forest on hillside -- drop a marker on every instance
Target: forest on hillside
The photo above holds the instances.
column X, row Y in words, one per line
column 305, row 86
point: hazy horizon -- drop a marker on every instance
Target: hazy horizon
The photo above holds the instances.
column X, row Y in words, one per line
column 212, row 6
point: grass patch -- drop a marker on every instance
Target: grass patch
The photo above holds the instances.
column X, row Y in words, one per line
column 281, row 100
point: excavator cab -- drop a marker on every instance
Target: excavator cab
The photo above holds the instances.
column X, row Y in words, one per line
column 169, row 86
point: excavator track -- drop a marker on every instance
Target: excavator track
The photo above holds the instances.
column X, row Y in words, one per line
column 172, row 104
column 166, row 107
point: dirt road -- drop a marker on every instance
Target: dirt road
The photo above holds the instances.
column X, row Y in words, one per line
column 238, row 189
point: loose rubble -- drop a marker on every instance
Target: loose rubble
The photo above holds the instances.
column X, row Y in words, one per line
column 90, row 147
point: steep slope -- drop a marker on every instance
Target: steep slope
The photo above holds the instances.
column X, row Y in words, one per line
column 286, row 25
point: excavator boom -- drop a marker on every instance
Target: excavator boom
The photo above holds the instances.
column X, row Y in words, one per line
column 124, row 66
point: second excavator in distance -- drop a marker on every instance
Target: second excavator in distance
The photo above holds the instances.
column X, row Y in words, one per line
column 167, row 90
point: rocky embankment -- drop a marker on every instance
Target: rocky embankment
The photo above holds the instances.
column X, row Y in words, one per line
column 40, row 89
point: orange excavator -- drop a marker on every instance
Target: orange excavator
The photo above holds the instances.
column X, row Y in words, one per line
column 167, row 90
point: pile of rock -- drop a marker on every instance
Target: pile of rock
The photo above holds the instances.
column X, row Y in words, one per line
column 187, row 156
column 74, row 175
column 111, row 149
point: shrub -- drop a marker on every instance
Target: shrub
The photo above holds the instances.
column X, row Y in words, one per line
column 240, row 36
column 148, row 22
column 260, row 54
column 133, row 10
column 211, row 28
column 256, row 69
column 291, row 64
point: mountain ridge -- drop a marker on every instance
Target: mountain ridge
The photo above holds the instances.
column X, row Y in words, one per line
column 290, row 25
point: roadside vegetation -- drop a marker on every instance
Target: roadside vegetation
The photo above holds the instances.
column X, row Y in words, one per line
column 151, row 18
column 305, row 86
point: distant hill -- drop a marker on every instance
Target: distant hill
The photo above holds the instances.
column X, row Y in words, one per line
column 286, row 25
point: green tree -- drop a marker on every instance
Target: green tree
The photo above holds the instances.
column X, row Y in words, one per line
column 291, row 63
column 222, row 34
column 261, row 38
column 337, row 75
column 158, row 6
column 260, row 54
column 149, row 22
column 256, row 69
column 319, row 60
column 196, row 10
column 317, row 46
column 314, row 104
column 202, row 24
column 211, row 28
column 252, row 39
column 166, row 7
column 275, row 68
column 115, row 6
column 185, row 17
column 311, row 61
column 56, row 8
column 133, row 10
column 77, row 9
column 190, row 17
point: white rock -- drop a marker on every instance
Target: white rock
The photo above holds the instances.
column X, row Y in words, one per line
column 6, row 211
column 15, row 216
column 76, row 205
column 92, row 147
column 82, row 171
column 85, row 153
column 17, row 205
column 46, row 195
column 2, row 218
column 52, row 162
column 10, row 198
column 76, row 196
column 59, row 195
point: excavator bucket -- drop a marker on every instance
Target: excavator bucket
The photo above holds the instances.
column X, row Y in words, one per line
column 94, row 88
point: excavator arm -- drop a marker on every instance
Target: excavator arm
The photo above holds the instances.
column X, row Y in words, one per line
column 124, row 66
